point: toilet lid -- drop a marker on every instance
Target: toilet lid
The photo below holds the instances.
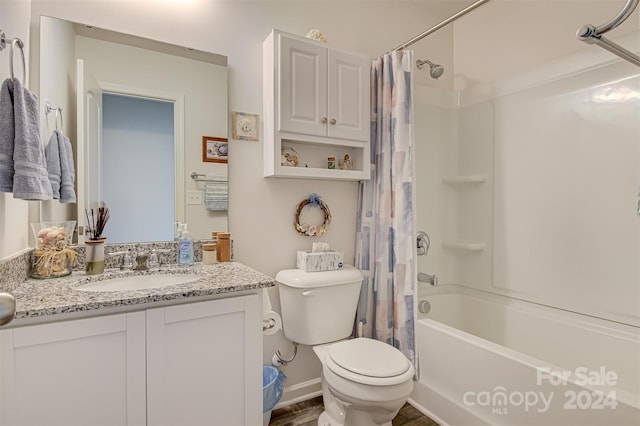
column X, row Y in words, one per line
column 368, row 357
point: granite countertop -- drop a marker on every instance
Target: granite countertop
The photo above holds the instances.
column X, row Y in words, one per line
column 40, row 299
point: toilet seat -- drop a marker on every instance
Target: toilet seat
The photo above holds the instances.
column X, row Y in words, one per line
column 369, row 362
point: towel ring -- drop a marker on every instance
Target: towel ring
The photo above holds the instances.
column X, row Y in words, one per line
column 16, row 42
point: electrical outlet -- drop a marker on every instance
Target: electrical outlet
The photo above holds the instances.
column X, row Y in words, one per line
column 194, row 197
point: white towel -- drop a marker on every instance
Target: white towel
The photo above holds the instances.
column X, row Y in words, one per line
column 30, row 180
column 216, row 193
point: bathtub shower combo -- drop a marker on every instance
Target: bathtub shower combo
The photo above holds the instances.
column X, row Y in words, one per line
column 529, row 298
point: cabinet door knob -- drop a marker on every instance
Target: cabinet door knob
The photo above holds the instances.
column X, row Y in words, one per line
column 333, row 121
column 324, row 120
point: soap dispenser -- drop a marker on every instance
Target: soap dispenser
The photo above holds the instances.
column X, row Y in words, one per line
column 185, row 249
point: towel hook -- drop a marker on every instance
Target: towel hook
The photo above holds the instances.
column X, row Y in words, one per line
column 58, row 110
column 16, row 42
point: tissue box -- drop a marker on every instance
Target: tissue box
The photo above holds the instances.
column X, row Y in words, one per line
column 321, row 261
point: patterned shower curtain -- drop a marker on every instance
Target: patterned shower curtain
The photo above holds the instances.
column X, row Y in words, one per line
column 385, row 237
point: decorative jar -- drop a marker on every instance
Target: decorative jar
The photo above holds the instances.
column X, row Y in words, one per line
column 52, row 257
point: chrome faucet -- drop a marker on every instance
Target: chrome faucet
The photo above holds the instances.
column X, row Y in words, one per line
column 142, row 262
column 128, row 259
column 149, row 261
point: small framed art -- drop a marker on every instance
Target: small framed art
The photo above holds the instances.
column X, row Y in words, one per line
column 244, row 126
column 214, row 150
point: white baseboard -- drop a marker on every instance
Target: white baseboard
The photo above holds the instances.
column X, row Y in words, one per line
column 300, row 392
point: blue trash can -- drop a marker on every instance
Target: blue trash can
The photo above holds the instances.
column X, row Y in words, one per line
column 272, row 380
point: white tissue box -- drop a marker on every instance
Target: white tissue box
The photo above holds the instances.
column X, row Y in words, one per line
column 320, row 261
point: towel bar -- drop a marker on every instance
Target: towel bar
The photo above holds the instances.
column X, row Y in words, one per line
column 201, row 177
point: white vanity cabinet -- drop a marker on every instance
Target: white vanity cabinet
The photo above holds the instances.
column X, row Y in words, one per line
column 316, row 101
column 82, row 372
column 204, row 363
column 196, row 363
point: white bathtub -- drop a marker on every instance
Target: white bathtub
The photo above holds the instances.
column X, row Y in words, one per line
column 488, row 359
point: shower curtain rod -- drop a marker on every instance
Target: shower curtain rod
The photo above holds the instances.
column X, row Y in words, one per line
column 444, row 23
column 593, row 35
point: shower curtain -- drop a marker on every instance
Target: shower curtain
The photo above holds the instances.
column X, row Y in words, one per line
column 385, row 243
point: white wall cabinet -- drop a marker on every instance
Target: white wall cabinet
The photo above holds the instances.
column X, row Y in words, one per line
column 316, row 101
column 198, row 363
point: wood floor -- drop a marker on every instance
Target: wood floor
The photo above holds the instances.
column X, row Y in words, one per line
column 306, row 413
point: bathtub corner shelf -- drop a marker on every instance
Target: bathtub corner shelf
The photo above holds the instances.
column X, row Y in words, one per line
column 464, row 245
column 464, row 179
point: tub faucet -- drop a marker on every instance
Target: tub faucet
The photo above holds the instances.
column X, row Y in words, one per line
column 428, row 278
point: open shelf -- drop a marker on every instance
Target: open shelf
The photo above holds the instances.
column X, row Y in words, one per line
column 464, row 179
column 464, row 245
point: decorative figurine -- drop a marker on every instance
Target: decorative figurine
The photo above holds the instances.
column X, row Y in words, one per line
column 289, row 157
column 346, row 162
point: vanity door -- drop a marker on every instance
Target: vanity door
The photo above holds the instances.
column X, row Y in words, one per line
column 204, row 363
column 81, row 372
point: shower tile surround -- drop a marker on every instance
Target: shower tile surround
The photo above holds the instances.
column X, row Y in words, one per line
column 41, row 298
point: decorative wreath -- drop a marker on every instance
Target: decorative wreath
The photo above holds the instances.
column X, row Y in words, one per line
column 312, row 230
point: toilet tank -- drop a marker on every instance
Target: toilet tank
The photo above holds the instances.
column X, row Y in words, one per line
column 318, row 307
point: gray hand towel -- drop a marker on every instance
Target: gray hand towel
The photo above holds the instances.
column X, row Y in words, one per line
column 54, row 167
column 30, row 181
column 67, row 170
column 60, row 167
column 7, row 136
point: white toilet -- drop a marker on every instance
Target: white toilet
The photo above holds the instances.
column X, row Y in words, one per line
column 364, row 381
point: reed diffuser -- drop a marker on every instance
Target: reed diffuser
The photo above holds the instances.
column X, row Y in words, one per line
column 97, row 221
column 95, row 244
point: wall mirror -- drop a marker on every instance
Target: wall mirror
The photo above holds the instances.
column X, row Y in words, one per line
column 136, row 111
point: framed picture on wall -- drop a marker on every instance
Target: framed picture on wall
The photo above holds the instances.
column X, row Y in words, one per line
column 214, row 150
column 244, row 126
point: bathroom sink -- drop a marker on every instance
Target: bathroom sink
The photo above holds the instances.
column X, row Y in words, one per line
column 139, row 282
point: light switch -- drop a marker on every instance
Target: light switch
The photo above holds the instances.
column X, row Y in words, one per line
column 194, row 197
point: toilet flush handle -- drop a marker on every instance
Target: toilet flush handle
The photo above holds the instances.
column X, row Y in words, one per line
column 308, row 293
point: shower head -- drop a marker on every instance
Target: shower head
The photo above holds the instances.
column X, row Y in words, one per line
column 435, row 70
